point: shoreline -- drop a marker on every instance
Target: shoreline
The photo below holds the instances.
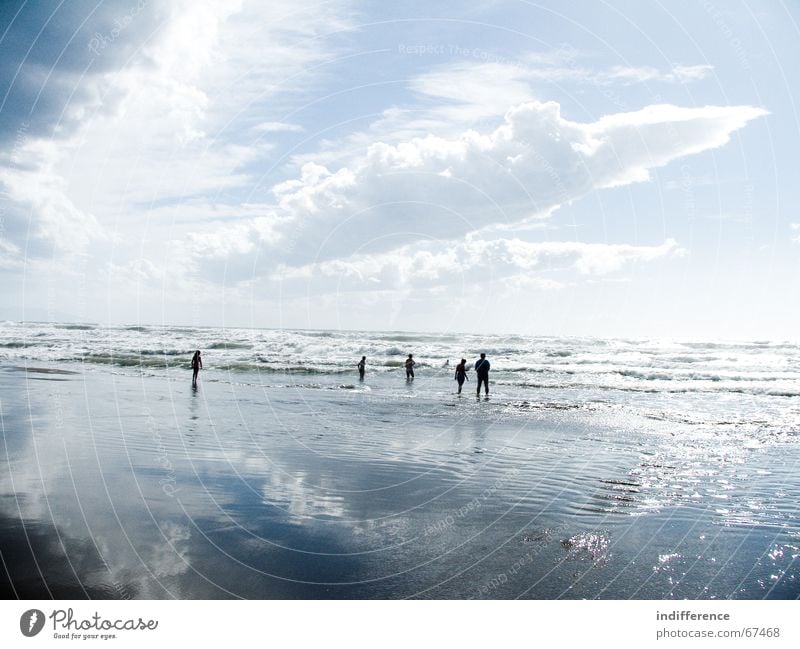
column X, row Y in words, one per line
column 147, row 489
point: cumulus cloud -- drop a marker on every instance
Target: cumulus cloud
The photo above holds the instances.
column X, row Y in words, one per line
column 167, row 131
column 46, row 218
column 446, row 188
column 125, row 118
column 431, row 264
column 460, row 95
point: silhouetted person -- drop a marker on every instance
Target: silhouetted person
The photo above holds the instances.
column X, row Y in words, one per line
column 461, row 373
column 362, row 367
column 482, row 370
column 197, row 365
column 410, row 363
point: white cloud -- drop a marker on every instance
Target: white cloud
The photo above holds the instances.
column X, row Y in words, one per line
column 473, row 91
column 484, row 85
column 33, row 183
column 684, row 73
column 631, row 74
column 166, row 157
column 9, row 255
column 277, row 127
column 518, row 264
column 515, row 283
column 445, row 188
column 568, row 64
column 173, row 121
column 137, row 272
column 238, row 239
column 460, row 95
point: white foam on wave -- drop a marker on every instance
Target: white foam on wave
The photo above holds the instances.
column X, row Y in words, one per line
column 570, row 368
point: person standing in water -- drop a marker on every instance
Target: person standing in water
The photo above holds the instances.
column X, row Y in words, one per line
column 482, row 367
column 410, row 363
column 362, row 367
column 197, row 365
column 461, row 373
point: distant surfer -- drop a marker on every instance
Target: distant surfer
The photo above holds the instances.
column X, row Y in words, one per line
column 410, row 363
column 197, row 365
column 362, row 367
column 461, row 374
column 482, row 367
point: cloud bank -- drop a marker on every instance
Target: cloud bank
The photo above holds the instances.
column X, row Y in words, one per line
column 445, row 189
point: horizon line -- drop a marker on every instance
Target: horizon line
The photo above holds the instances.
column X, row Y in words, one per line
column 754, row 341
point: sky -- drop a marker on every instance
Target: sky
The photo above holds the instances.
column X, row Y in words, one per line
column 574, row 168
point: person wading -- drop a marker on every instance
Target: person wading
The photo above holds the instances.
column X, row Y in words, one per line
column 410, row 363
column 197, row 365
column 362, row 367
column 482, row 367
column 461, row 373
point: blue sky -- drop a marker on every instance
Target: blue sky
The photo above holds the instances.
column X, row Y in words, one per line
column 588, row 168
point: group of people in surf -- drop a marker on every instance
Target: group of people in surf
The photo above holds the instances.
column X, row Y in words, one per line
column 482, row 367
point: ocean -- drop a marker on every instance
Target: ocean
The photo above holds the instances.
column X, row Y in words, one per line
column 597, row 468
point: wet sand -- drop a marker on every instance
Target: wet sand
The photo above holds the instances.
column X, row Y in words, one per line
column 124, row 486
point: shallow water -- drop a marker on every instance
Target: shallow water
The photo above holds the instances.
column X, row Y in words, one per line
column 121, row 481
